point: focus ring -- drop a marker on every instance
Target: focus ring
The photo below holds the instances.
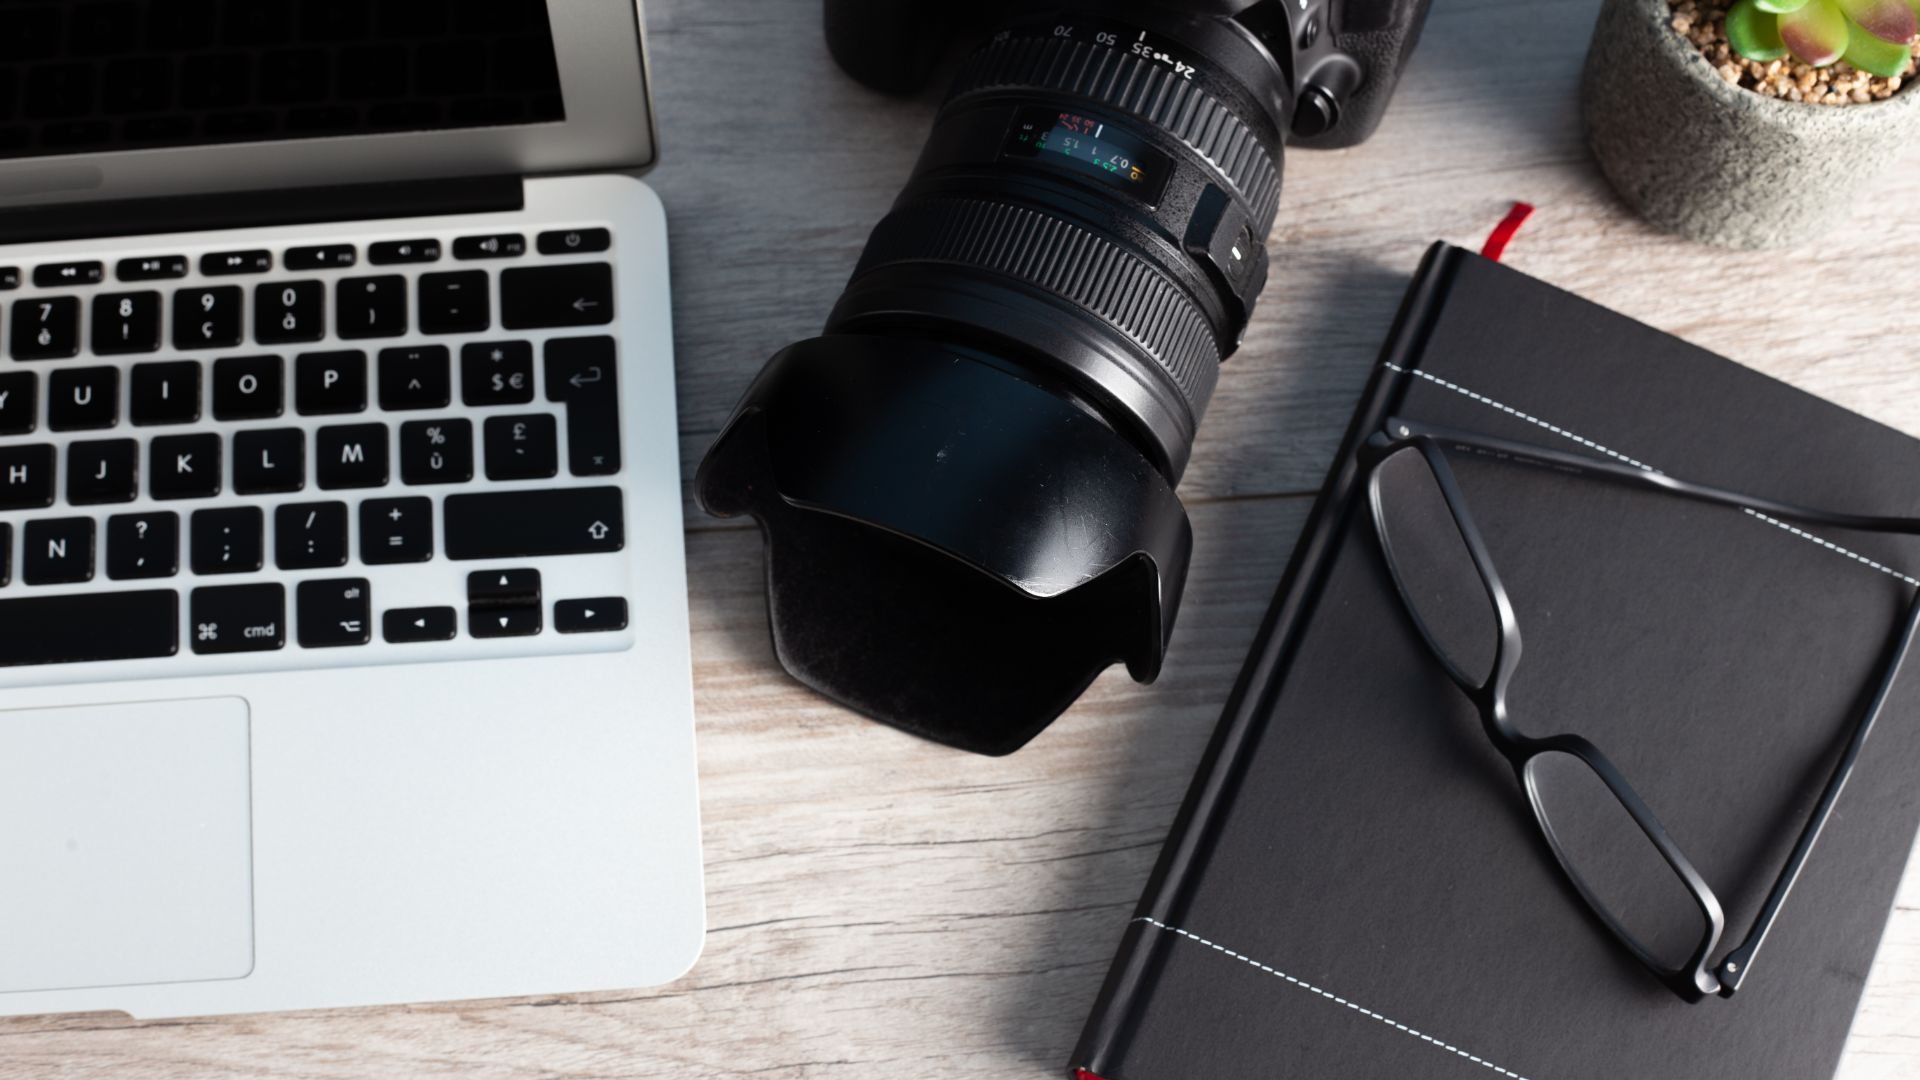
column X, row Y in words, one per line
column 1142, row 87
column 1067, row 261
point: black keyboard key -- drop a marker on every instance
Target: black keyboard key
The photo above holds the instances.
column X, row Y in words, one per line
column 184, row 467
column 455, row 303
column 334, row 613
column 289, row 311
column 238, row 619
column 396, row 531
column 26, row 477
column 229, row 263
column 143, row 546
column 582, row 373
column 46, row 328
column 571, row 294
column 504, row 588
column 330, row 383
column 436, row 451
column 404, row 251
column 415, row 378
column 19, row 402
column 496, row 373
column 522, row 447
column 230, row 541
column 6, row 554
column 372, row 307
column 270, row 462
column 83, row 399
column 248, row 388
column 525, row 524
column 9, row 278
column 57, row 551
column 107, row 471
column 504, row 622
column 354, row 456
column 67, row 274
column 322, row 257
column 575, row 241
column 310, row 536
column 152, row 268
column 90, row 626
column 164, row 393
column 208, row 318
column 497, row 246
column 126, row 323
column 408, row 626
column 601, row 615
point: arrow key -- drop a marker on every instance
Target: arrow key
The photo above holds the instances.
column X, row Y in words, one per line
column 503, row 588
column 590, row 616
column 500, row 622
column 407, row 626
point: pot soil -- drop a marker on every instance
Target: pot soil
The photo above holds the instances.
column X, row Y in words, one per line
column 1688, row 145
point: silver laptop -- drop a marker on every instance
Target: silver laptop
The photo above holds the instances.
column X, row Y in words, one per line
column 343, row 631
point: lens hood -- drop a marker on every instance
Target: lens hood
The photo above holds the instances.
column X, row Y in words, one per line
column 953, row 548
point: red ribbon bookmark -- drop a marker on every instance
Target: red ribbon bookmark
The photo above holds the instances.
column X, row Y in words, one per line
column 1503, row 233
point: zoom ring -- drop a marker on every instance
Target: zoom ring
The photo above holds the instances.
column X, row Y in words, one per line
column 1142, row 87
column 1068, row 261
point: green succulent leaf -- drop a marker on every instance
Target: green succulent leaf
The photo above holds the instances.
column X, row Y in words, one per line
column 1888, row 20
column 1816, row 33
column 1875, row 55
column 1754, row 32
column 1781, row 7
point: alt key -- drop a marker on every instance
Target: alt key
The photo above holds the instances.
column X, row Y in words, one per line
column 407, row 626
column 590, row 616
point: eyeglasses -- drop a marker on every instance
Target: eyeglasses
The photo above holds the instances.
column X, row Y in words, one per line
column 1613, row 849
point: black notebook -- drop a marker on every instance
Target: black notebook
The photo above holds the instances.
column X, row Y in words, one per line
column 1355, row 888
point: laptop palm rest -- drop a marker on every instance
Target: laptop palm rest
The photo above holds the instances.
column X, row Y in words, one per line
column 126, row 856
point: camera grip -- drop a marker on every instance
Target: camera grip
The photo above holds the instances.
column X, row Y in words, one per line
column 1381, row 35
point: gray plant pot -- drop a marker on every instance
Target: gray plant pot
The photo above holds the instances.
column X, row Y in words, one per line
column 1698, row 156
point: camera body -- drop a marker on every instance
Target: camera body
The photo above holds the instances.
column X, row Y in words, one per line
column 1343, row 58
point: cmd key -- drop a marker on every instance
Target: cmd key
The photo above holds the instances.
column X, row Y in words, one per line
column 570, row 294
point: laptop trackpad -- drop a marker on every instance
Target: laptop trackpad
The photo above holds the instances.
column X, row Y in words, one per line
column 125, row 844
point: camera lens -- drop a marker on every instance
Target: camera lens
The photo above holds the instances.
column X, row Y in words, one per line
column 967, row 481
column 1092, row 206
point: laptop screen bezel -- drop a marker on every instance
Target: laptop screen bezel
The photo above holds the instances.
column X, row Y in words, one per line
column 600, row 51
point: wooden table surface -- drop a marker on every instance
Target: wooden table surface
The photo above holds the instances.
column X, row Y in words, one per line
column 883, row 908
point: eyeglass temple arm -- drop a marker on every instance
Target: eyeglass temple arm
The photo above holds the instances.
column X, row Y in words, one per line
column 1398, row 430
column 1733, row 969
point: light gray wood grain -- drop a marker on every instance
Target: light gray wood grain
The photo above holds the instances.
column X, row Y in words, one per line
column 881, row 908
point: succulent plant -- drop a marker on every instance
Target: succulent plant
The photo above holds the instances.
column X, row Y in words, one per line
column 1875, row 36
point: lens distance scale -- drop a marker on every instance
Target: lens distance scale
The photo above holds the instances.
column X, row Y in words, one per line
column 1090, row 146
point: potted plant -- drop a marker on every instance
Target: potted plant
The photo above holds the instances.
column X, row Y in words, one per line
column 1750, row 123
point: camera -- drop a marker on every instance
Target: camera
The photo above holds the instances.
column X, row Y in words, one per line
column 967, row 480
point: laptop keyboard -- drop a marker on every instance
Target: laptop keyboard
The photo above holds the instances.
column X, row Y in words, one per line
column 262, row 451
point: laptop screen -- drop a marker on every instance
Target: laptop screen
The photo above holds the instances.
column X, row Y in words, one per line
column 92, row 76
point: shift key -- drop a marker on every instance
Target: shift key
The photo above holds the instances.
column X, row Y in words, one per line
column 571, row 294
column 522, row 524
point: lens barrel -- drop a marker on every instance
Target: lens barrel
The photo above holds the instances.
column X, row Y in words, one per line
column 1120, row 256
column 966, row 481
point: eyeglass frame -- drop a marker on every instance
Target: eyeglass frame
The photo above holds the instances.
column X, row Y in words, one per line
column 1698, row 978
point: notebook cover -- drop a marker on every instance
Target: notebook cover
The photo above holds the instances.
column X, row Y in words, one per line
column 1355, row 888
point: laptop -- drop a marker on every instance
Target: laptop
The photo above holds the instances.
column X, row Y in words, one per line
column 343, row 632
